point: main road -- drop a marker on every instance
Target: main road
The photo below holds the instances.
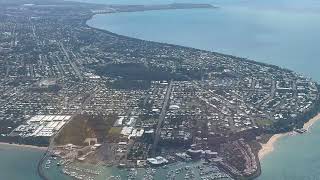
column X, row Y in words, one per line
column 161, row 119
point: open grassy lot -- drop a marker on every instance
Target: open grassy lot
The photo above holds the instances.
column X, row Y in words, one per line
column 85, row 126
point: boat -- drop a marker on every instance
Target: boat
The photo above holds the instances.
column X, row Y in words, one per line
column 300, row 131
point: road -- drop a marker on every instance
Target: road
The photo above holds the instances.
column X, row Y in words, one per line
column 161, row 119
column 73, row 65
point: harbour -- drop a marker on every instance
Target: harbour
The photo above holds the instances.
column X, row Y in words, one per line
column 261, row 26
column 58, row 169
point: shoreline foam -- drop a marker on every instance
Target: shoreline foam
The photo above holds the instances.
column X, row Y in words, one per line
column 23, row 146
column 269, row 146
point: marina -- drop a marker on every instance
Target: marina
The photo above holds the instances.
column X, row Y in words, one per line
column 163, row 168
column 177, row 171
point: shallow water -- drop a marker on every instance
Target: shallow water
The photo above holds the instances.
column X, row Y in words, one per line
column 277, row 32
column 283, row 32
column 294, row 158
column 18, row 164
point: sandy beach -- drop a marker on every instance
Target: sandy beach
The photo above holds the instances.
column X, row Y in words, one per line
column 269, row 146
column 308, row 124
column 23, row 146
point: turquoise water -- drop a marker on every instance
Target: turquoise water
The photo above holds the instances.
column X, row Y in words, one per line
column 158, row 174
column 295, row 158
column 18, row 164
column 283, row 33
column 54, row 172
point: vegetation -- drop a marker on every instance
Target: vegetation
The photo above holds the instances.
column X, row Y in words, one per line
column 264, row 122
column 289, row 124
column 114, row 134
column 132, row 71
column 85, row 126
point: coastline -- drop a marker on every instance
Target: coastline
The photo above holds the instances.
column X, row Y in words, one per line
column 22, row 146
column 269, row 146
column 313, row 120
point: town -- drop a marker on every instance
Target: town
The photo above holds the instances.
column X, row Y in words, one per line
column 97, row 96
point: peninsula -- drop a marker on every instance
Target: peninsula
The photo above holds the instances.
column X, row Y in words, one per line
column 92, row 96
column 136, row 8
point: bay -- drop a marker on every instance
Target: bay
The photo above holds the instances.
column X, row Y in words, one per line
column 18, row 163
column 280, row 32
column 283, row 33
column 277, row 32
column 294, row 158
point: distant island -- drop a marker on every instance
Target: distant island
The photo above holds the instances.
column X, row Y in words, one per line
column 92, row 96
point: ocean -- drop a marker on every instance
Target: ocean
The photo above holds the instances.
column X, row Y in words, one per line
column 294, row 157
column 283, row 33
column 280, row 32
column 20, row 163
column 17, row 163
